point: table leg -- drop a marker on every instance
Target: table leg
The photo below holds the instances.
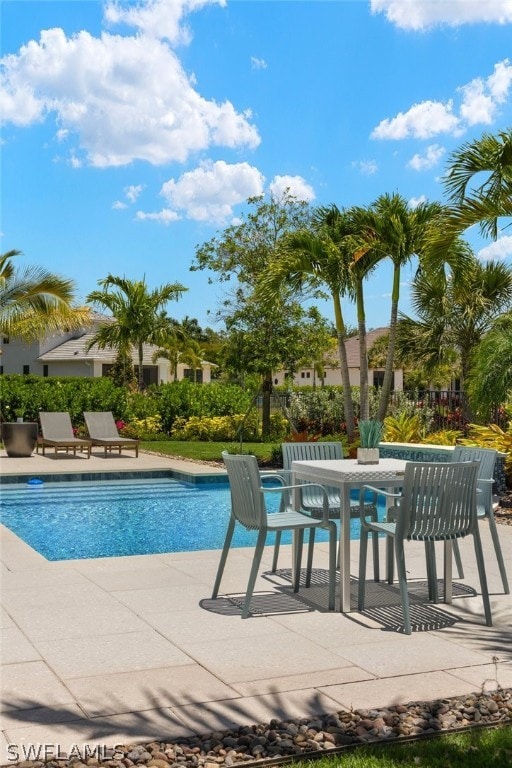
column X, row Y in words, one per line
column 345, row 550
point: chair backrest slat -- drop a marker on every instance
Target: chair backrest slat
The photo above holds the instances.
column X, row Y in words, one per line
column 247, row 500
column 312, row 452
column 438, row 500
column 487, row 459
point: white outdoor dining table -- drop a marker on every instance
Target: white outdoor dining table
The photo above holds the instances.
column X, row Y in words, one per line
column 347, row 474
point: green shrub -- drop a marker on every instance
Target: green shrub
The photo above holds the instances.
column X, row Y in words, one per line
column 403, row 429
column 148, row 428
column 216, row 428
column 73, row 394
column 443, row 437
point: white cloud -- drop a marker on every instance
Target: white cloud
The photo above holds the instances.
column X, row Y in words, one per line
column 415, row 201
column 500, row 249
column 429, row 159
column 161, row 19
column 423, row 14
column 133, row 191
column 209, row 192
column 367, row 167
column 296, row 185
column 165, row 216
column 421, row 121
column 118, row 205
column 481, row 98
column 258, row 63
column 124, row 98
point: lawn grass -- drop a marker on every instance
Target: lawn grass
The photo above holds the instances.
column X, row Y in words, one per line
column 203, row 451
column 474, row 748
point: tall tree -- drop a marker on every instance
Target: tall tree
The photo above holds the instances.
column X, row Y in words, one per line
column 390, row 228
column 138, row 315
column 490, row 379
column 314, row 257
column 454, row 313
column 35, row 303
column 240, row 255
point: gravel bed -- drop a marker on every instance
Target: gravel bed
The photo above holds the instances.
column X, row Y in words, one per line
column 306, row 737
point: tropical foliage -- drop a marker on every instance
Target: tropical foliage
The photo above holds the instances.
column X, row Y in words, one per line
column 34, row 302
column 138, row 315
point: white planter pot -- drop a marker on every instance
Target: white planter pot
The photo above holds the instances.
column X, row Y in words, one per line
column 367, row 455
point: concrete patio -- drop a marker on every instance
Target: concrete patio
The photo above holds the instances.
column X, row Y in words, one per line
column 127, row 649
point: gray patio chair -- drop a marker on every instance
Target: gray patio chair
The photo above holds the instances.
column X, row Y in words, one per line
column 248, row 508
column 484, row 507
column 312, row 499
column 103, row 431
column 57, row 432
column 437, row 503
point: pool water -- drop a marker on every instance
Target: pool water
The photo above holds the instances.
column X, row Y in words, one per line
column 66, row 521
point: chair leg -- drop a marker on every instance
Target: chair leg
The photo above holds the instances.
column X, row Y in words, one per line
column 402, row 580
column 223, row 557
column 483, row 578
column 276, row 551
column 376, row 568
column 390, row 560
column 256, row 561
column 499, row 553
column 363, row 553
column 430, row 558
column 458, row 559
column 311, row 546
column 299, row 541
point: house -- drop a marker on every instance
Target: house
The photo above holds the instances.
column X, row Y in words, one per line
column 65, row 355
column 308, row 376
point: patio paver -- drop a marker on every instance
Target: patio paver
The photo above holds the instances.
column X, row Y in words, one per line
column 129, row 649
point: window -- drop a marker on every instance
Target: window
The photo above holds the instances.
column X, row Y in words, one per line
column 1, row 370
column 5, row 340
column 378, row 379
column 26, row 370
column 45, row 370
column 305, row 374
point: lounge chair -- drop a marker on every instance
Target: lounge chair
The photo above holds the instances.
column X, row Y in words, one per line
column 57, row 432
column 103, row 431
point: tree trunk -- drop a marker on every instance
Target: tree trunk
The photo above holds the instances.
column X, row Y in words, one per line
column 364, row 406
column 348, row 405
column 265, row 413
column 390, row 358
column 141, row 373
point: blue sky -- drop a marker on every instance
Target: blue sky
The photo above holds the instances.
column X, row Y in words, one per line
column 134, row 131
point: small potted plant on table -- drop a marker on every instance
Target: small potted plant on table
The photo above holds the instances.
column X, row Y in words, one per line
column 370, row 434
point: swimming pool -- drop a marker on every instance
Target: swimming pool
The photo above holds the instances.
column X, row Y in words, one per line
column 66, row 521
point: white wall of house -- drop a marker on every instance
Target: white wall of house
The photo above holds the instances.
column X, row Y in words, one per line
column 306, row 378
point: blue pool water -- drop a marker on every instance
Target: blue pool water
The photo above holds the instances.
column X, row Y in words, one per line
column 66, row 521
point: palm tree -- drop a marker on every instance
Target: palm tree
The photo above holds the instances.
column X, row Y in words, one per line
column 389, row 228
column 491, row 198
column 35, row 302
column 490, row 380
column 319, row 256
column 193, row 355
column 138, row 313
column 454, row 313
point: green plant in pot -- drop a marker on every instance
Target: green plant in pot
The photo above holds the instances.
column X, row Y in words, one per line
column 19, row 413
column 370, row 435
